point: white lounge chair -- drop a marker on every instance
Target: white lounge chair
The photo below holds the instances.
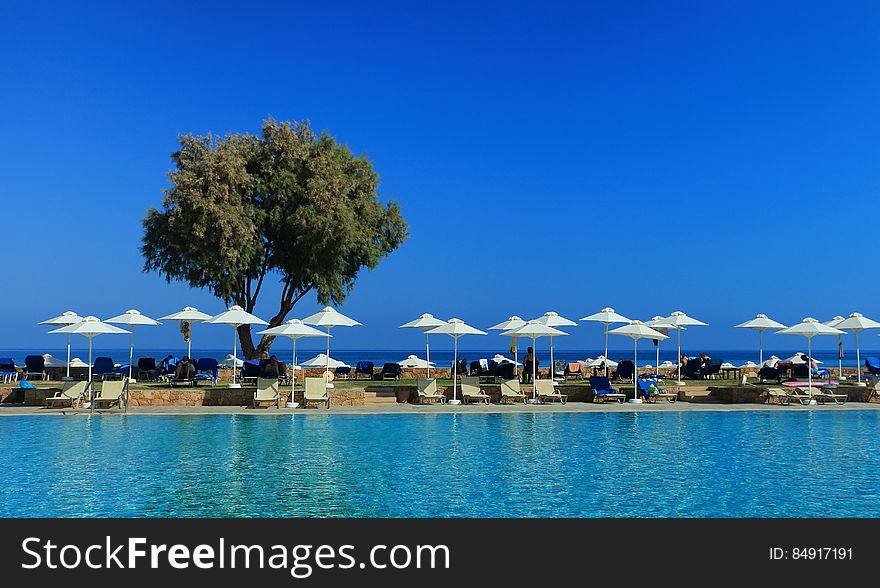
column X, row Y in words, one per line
column 471, row 392
column 829, row 394
column 71, row 393
column 546, row 390
column 267, row 391
column 111, row 392
column 511, row 392
column 316, row 392
column 427, row 390
column 781, row 395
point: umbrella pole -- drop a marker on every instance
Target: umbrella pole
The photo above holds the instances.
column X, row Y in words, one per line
column 839, row 358
column 130, row 351
column 327, row 369
column 534, row 368
column 428, row 353
column 761, row 347
column 679, row 382
column 657, row 367
column 91, row 386
column 68, row 357
column 810, row 366
column 293, row 369
column 606, row 350
column 858, row 360
column 552, row 364
column 454, row 365
column 189, row 343
column 635, row 370
column 234, row 353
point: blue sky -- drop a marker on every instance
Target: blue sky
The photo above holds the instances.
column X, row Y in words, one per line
column 718, row 158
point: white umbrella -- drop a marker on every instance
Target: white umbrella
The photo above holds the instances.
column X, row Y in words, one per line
column 679, row 320
column 66, row 318
column 658, row 323
column 761, row 323
column 50, row 361
column 856, row 323
column 455, row 328
column 552, row 319
column 833, row 323
column 328, row 317
column 293, row 329
column 230, row 361
column 667, row 364
column 78, row 363
column 131, row 318
column 426, row 322
column 749, row 365
column 235, row 316
column 188, row 315
column 771, row 361
column 607, row 316
column 809, row 328
column 601, row 361
column 797, row 358
column 637, row 330
column 413, row 361
column 90, row 327
column 512, row 322
column 324, row 361
column 534, row 330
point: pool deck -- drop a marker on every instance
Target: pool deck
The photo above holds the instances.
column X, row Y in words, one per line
column 394, row 408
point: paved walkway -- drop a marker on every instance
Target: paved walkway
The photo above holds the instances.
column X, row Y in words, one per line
column 393, row 408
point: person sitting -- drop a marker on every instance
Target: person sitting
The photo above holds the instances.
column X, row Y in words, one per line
column 185, row 370
column 273, row 369
column 529, row 362
column 704, row 360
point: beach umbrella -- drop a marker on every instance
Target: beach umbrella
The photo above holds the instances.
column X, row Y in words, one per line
column 131, row 319
column 857, row 323
column 90, row 327
column 230, row 361
column 679, row 321
column 426, row 322
column 602, row 361
column 607, row 316
column 51, row 361
column 797, row 358
column 749, row 365
column 833, row 323
column 761, row 323
column 658, row 323
column 293, row 329
column 413, row 361
column 499, row 359
column 809, row 328
column 771, row 361
column 66, row 318
column 455, row 328
column 552, row 319
column 235, row 316
column 534, row 330
column 188, row 316
column 512, row 322
column 637, row 330
column 328, row 317
column 322, row 360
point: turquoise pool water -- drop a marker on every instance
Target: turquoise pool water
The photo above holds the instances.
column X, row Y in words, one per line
column 707, row 464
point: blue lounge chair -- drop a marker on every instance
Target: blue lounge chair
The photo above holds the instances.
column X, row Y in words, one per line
column 603, row 391
column 250, row 370
column 207, row 369
column 391, row 371
column 146, row 368
column 624, row 372
column 34, row 367
column 652, row 392
column 7, row 370
column 365, row 369
column 103, row 368
column 872, row 364
column 342, row 372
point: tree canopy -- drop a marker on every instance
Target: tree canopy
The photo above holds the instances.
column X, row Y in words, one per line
column 288, row 204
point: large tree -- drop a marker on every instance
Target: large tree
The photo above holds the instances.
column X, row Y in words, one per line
column 288, row 204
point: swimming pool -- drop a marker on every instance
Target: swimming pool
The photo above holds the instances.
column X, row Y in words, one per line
column 706, row 464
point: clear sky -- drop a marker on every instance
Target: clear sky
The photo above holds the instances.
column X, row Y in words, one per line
column 714, row 157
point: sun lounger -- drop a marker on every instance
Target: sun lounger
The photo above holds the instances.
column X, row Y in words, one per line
column 207, row 369
column 802, row 394
column 427, row 391
column 111, row 392
column 511, row 392
column 781, row 395
column 829, row 394
column 391, row 371
column 267, row 391
column 624, row 372
column 71, row 393
column 316, row 392
column 874, row 387
column 652, row 391
column 363, row 369
column 546, row 391
column 7, row 370
column 603, row 391
column 574, row 370
column 470, row 391
column 34, row 367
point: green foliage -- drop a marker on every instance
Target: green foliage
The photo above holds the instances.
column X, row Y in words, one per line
column 289, row 203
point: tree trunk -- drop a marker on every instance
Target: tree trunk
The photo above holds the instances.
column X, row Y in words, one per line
column 247, row 342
